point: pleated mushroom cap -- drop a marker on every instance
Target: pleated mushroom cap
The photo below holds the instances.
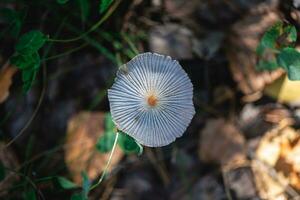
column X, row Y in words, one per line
column 151, row 99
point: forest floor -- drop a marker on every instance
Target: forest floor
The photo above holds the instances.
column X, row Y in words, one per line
column 243, row 142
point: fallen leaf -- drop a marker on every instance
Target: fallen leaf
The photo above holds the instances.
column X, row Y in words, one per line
column 206, row 187
column 267, row 186
column 240, row 182
column 221, row 142
column 83, row 131
column 6, row 74
column 281, row 150
column 275, row 144
column 173, row 40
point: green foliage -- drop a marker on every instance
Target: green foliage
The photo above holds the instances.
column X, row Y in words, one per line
column 108, row 122
column 106, row 142
column 2, row 171
column 128, row 144
column 14, row 20
column 84, row 8
column 27, row 58
column 289, row 59
column 276, row 38
column 268, row 40
column 267, row 65
column 30, row 42
column 86, row 186
column 78, row 196
column 29, row 65
column 29, row 195
column 62, row 1
column 104, row 5
column 65, row 183
column 276, row 50
column 26, row 61
column 291, row 33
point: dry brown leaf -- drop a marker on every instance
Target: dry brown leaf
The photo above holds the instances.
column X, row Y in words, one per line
column 83, row 131
column 275, row 144
column 267, row 186
column 171, row 39
column 243, row 41
column 221, row 142
column 240, row 182
column 6, row 74
column 281, row 150
column 180, row 9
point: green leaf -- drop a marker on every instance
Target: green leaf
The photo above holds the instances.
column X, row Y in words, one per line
column 269, row 38
column 30, row 42
column 29, row 195
column 104, row 5
column 106, row 142
column 289, row 59
column 277, row 37
column 29, row 76
column 128, row 144
column 267, row 65
column 62, row 1
column 26, row 61
column 65, row 183
column 109, row 124
column 78, row 196
column 2, row 171
column 13, row 18
column 84, row 8
column 7, row 15
column 291, row 33
column 29, row 64
column 86, row 184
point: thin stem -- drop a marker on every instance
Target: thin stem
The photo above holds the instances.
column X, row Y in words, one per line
column 47, row 49
column 108, row 162
column 130, row 43
column 94, row 27
column 35, row 111
column 24, row 176
column 66, row 53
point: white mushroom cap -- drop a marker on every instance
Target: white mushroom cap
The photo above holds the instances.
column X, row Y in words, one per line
column 151, row 99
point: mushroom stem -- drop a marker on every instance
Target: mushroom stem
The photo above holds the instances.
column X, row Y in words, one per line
column 108, row 163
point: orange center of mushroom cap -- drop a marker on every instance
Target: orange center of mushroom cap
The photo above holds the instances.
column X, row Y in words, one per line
column 152, row 100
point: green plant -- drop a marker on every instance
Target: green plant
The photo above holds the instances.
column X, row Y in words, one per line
column 277, row 50
column 36, row 46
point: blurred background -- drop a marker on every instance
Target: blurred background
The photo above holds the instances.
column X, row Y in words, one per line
column 243, row 142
